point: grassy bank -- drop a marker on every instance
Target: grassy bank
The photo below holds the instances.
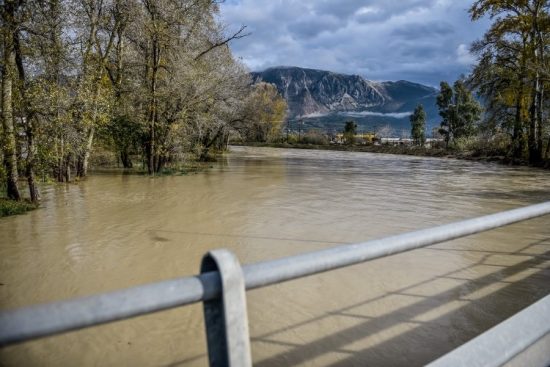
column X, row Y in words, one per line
column 107, row 162
column 180, row 170
column 474, row 155
column 388, row 149
column 12, row 207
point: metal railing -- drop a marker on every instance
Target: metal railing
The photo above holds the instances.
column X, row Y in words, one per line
column 222, row 285
column 524, row 337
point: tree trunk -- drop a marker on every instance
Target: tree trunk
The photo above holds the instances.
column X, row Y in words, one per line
column 67, row 168
column 208, row 142
column 61, row 161
column 540, row 64
column 547, row 152
column 533, row 139
column 518, row 135
column 226, row 141
column 540, row 119
column 151, row 154
column 83, row 161
column 517, row 138
column 82, row 169
column 126, row 159
column 204, row 157
column 33, row 189
column 97, row 72
column 29, row 119
column 535, row 125
column 9, row 143
column 151, row 148
column 159, row 163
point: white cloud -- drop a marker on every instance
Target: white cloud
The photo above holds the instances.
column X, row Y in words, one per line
column 419, row 40
column 367, row 10
column 463, row 55
column 397, row 115
column 314, row 115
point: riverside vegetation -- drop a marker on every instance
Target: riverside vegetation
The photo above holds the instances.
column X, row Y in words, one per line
column 146, row 80
column 154, row 84
column 511, row 80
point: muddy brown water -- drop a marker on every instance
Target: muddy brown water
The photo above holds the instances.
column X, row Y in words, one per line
column 113, row 231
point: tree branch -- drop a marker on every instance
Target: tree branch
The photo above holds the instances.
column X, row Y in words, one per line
column 237, row 35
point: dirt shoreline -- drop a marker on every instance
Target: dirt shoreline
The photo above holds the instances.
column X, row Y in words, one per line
column 403, row 150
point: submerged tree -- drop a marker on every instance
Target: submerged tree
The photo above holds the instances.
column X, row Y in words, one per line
column 154, row 78
column 418, row 125
column 187, row 74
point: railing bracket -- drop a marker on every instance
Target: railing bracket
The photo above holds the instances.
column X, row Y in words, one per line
column 226, row 317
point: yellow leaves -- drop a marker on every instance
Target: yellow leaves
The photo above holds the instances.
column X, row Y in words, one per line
column 105, row 82
column 267, row 110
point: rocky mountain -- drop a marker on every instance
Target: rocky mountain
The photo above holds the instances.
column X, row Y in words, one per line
column 326, row 97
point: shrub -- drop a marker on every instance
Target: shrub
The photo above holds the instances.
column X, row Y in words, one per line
column 315, row 138
column 497, row 145
column 438, row 144
column 103, row 158
column 465, row 144
column 12, row 207
column 484, row 146
column 292, row 139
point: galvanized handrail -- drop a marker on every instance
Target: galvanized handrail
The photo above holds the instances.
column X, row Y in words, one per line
column 506, row 341
column 43, row 320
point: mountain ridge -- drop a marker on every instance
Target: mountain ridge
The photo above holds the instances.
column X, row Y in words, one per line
column 330, row 96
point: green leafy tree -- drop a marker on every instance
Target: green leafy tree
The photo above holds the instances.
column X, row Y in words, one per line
column 125, row 136
column 265, row 113
column 418, row 125
column 350, row 130
column 459, row 110
column 512, row 74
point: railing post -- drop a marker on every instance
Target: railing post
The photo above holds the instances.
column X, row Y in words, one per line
column 226, row 317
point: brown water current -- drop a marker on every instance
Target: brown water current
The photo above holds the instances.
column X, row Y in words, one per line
column 113, row 231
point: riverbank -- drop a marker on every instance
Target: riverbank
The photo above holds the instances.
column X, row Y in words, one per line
column 181, row 170
column 108, row 162
column 12, row 207
column 404, row 150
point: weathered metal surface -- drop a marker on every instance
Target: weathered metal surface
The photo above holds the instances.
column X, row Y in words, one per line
column 511, row 340
column 54, row 318
column 226, row 317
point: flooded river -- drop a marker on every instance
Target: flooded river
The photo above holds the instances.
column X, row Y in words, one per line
column 113, row 231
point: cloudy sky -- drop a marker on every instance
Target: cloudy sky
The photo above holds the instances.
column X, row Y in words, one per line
column 424, row 41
